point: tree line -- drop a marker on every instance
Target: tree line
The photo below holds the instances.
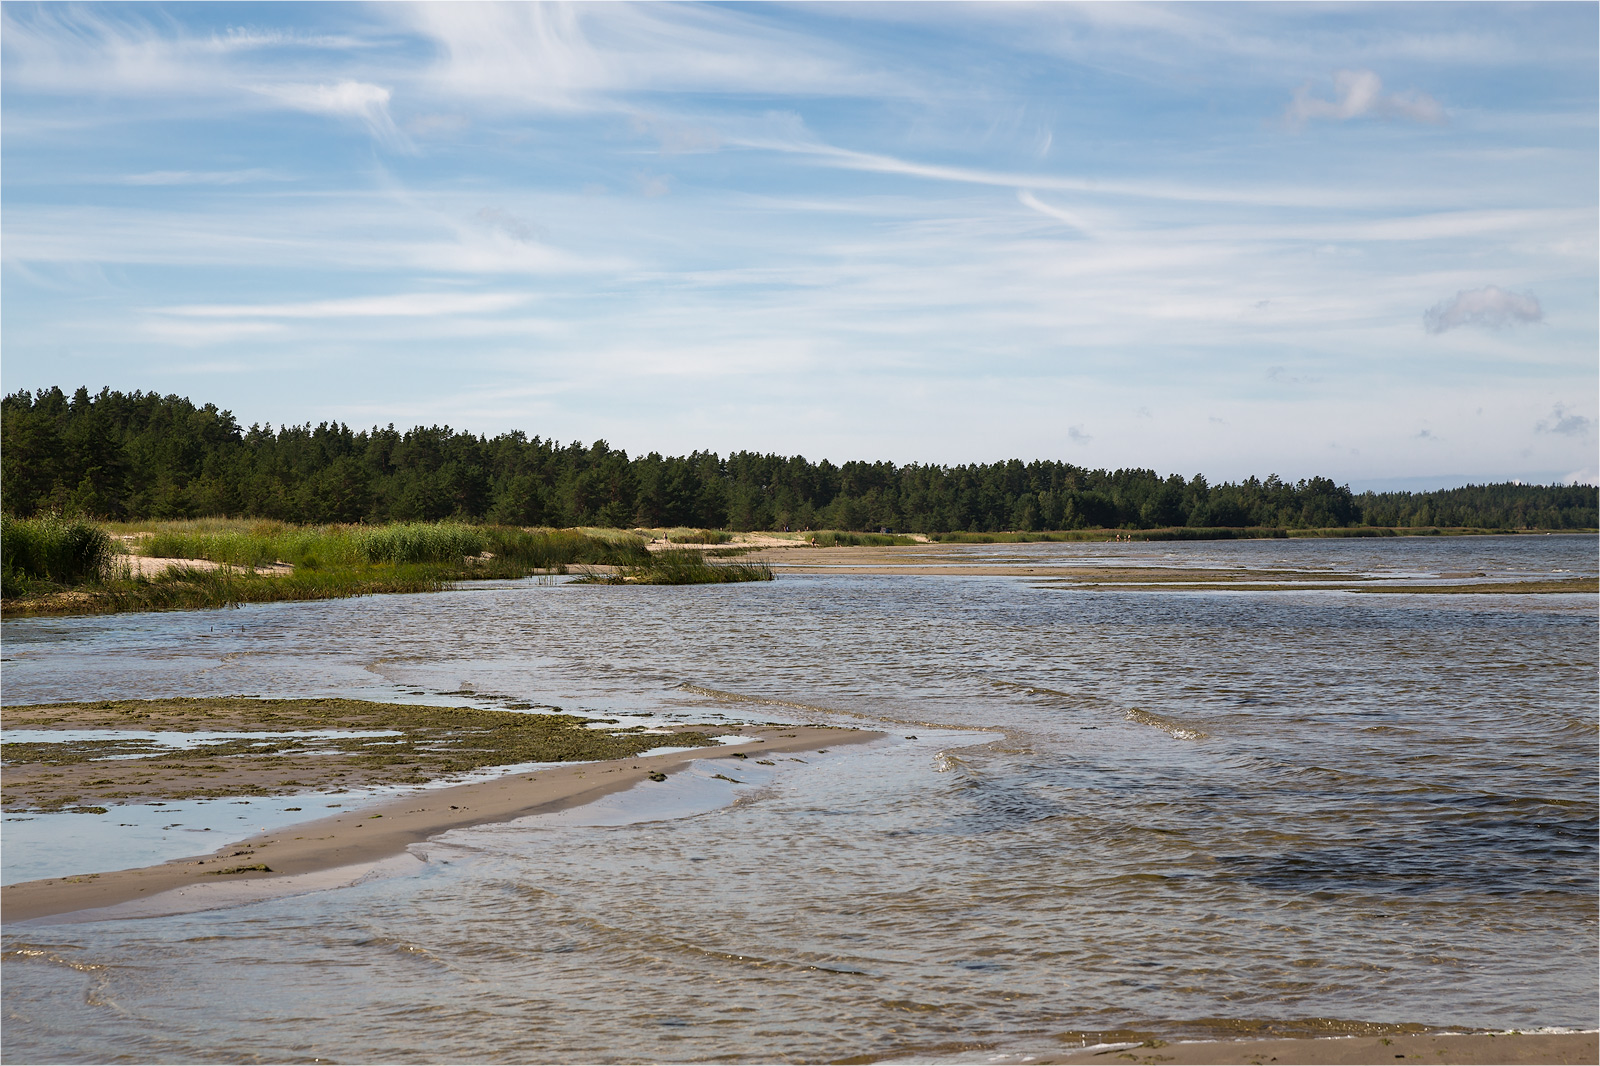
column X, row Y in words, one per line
column 143, row 455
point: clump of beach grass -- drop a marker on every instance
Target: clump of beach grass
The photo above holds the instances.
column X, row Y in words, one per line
column 51, row 551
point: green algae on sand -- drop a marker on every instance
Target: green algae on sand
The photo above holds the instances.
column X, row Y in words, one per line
column 422, row 744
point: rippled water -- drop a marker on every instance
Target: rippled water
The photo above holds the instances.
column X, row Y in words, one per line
column 1175, row 812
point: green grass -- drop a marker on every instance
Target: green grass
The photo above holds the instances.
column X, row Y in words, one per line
column 314, row 546
column 264, row 543
column 680, row 566
column 50, row 551
column 697, row 536
column 328, row 561
column 834, row 538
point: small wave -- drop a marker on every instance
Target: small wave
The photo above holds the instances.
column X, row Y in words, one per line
column 1052, row 695
column 46, row 955
column 1171, row 726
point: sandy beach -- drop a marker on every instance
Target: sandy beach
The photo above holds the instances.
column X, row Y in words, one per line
column 371, row 833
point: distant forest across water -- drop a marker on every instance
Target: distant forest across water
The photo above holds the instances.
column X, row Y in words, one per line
column 142, row 455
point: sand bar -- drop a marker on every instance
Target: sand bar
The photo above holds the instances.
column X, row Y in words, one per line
column 1484, row 1048
column 386, row 828
column 1013, row 560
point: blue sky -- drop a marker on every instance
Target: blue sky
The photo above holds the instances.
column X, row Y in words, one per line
column 1353, row 241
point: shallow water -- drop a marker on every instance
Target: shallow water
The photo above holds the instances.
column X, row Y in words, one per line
column 1187, row 813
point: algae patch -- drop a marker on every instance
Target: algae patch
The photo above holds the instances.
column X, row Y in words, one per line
column 422, row 744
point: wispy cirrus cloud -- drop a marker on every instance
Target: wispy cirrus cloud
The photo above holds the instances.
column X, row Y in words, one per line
column 565, row 57
column 1357, row 94
column 1490, row 307
column 73, row 51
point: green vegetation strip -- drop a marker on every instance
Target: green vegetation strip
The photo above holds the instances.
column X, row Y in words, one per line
column 433, row 742
column 680, row 566
column 56, row 566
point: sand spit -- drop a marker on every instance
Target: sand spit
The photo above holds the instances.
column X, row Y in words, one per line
column 367, row 835
column 1463, row 1048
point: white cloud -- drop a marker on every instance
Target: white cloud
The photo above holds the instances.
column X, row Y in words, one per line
column 1358, row 93
column 345, row 99
column 1490, row 306
column 1565, row 423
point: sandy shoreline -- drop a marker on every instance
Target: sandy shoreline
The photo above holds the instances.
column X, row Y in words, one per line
column 386, row 828
column 1486, row 1048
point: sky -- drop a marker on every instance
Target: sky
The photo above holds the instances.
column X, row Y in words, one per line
column 1350, row 241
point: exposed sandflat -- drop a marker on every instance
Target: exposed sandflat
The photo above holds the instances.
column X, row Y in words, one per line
column 956, row 560
column 387, row 828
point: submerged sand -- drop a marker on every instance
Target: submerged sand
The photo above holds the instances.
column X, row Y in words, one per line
column 1486, row 1048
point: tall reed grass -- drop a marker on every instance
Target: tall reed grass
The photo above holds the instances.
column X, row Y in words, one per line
column 312, row 547
column 51, row 549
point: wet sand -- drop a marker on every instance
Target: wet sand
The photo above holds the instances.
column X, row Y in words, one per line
column 369, row 834
column 1484, row 1048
